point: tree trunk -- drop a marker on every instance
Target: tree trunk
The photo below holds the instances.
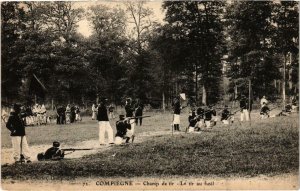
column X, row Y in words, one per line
column 163, row 102
column 203, row 95
column 283, row 83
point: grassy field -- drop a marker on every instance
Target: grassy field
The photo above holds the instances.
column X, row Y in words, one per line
column 266, row 147
column 87, row 129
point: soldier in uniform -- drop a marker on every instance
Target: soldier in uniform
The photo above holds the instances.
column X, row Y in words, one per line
column 226, row 116
column 94, row 111
column 192, row 121
column 129, row 109
column 208, row 117
column 19, row 142
column 244, row 108
column 53, row 153
column 139, row 112
column 176, row 118
column 104, row 125
column 122, row 126
column 200, row 119
column 264, row 111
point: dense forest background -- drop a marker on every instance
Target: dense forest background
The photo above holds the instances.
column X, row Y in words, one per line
column 210, row 50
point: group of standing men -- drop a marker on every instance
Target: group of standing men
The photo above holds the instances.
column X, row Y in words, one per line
column 125, row 126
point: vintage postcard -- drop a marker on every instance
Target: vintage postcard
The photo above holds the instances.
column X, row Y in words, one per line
column 149, row 95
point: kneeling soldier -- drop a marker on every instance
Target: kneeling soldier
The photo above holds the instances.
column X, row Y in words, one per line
column 264, row 111
column 226, row 116
column 122, row 126
column 53, row 153
column 192, row 121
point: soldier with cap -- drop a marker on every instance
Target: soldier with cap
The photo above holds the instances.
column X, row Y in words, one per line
column 244, row 108
column 226, row 116
column 209, row 117
column 104, row 125
column 176, row 116
column 129, row 108
column 122, row 126
column 53, row 153
column 19, row 142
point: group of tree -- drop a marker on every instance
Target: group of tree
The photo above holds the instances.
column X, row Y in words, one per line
column 201, row 45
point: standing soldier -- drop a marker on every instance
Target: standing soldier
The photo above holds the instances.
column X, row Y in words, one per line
column 94, row 111
column 129, row 108
column 104, row 125
column 139, row 112
column 244, row 108
column 111, row 111
column 19, row 142
column 176, row 116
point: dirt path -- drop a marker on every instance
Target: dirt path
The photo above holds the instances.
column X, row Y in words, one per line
column 6, row 153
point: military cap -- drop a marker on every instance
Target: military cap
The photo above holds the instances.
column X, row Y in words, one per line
column 56, row 144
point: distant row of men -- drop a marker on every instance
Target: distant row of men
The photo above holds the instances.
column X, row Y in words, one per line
column 31, row 115
column 206, row 116
column 67, row 115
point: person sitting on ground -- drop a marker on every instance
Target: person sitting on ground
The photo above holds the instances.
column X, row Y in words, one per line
column 53, row 153
column 200, row 118
column 226, row 116
column 209, row 113
column 122, row 126
column 192, row 121
column 264, row 111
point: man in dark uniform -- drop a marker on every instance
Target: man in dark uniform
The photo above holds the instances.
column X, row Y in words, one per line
column 53, row 153
column 61, row 116
column 177, row 109
column 129, row 108
column 208, row 116
column 122, row 126
column 226, row 116
column 19, row 142
column 244, row 108
column 192, row 121
column 104, row 125
column 139, row 112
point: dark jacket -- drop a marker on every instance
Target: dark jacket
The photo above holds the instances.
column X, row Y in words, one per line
column 177, row 108
column 129, row 110
column 122, row 127
column 225, row 114
column 200, row 112
column 264, row 110
column 15, row 125
column 102, row 113
column 192, row 120
column 139, row 110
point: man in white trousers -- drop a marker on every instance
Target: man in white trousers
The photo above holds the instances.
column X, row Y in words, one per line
column 244, row 105
column 19, row 142
column 104, row 125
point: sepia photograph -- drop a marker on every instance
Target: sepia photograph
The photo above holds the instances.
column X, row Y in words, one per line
column 150, row 95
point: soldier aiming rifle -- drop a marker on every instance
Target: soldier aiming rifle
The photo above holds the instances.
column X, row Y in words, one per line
column 55, row 153
column 123, row 126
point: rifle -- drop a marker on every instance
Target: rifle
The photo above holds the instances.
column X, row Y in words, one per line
column 73, row 150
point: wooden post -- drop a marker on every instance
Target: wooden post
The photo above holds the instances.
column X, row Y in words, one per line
column 163, row 102
column 249, row 101
column 52, row 104
column 283, row 83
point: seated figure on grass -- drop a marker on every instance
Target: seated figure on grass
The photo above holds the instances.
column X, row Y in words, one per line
column 210, row 117
column 192, row 121
column 226, row 116
column 122, row 126
column 264, row 111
